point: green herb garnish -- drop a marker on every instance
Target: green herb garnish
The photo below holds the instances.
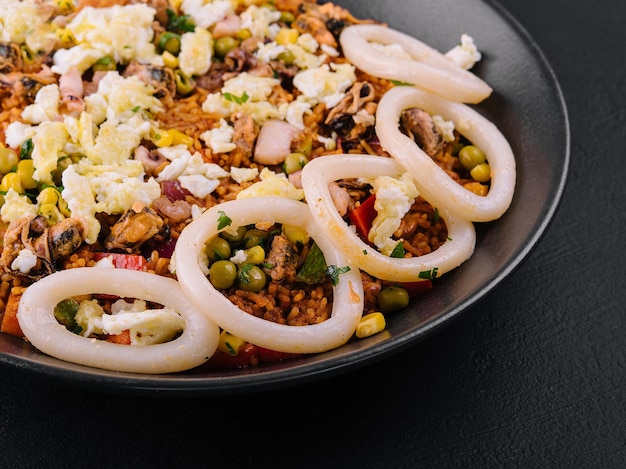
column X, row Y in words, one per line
column 223, row 221
column 236, row 99
column 398, row 251
column 333, row 272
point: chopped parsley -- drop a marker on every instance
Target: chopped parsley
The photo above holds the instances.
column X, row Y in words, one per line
column 436, row 215
column 223, row 221
column 236, row 99
column 244, row 273
column 333, row 272
column 428, row 274
column 179, row 24
column 26, row 150
column 398, row 251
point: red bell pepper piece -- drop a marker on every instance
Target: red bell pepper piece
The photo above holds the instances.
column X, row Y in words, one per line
column 416, row 288
column 124, row 261
column 363, row 216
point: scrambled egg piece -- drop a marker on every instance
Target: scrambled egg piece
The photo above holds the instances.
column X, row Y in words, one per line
column 21, row 23
column 258, row 20
column 394, row 197
column 196, row 50
column 272, row 184
column 207, row 13
column 16, row 206
column 48, row 143
column 123, row 33
column 220, row 138
column 195, row 175
column 325, row 84
column 45, row 107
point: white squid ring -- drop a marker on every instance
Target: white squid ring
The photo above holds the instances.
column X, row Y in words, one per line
column 347, row 294
column 36, row 318
column 429, row 69
column 316, row 176
column 432, row 181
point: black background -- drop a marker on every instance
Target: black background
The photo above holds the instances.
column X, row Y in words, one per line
column 533, row 376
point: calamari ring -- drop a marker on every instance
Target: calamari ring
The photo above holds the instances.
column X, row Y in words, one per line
column 36, row 318
column 432, row 181
column 347, row 294
column 316, row 176
column 429, row 68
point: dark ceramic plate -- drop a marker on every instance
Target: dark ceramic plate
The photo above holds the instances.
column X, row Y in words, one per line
column 527, row 106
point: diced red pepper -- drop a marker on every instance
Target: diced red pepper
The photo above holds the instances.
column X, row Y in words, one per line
column 248, row 355
column 10, row 324
column 416, row 288
column 124, row 261
column 269, row 356
column 121, row 338
column 363, row 216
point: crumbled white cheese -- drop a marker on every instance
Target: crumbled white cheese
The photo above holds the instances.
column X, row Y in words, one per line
column 239, row 258
column 465, row 54
column 89, row 317
column 394, row 198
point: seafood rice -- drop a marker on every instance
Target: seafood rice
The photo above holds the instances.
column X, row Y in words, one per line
column 236, row 149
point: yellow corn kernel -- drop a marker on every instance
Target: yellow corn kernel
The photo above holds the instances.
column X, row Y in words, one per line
column 179, row 138
column 26, row 169
column 243, row 34
column 169, row 59
column 287, row 36
column 175, row 4
column 48, row 196
column 481, row 172
column 161, row 138
column 370, row 324
column 255, row 255
column 230, row 344
column 12, row 181
column 51, row 213
column 66, row 36
column 296, row 234
column 65, row 5
column 477, row 188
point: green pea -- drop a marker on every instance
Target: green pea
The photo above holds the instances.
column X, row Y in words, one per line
column 470, row 156
column 251, row 278
column 481, row 172
column 224, row 45
column 104, row 64
column 254, row 237
column 294, row 162
column 392, row 299
column 287, row 57
column 217, row 249
column 234, row 239
column 169, row 42
column 222, row 274
column 255, row 255
column 287, row 17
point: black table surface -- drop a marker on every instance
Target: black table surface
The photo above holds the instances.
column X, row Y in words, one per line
column 532, row 376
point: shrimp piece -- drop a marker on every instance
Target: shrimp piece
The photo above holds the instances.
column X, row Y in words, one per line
column 71, row 88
